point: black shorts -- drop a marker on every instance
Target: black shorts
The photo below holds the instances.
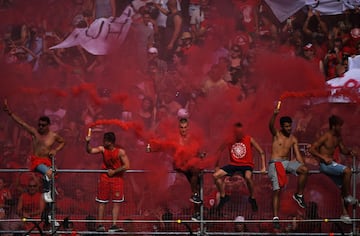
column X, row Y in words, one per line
column 231, row 169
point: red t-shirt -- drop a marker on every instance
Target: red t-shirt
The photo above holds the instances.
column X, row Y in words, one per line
column 4, row 195
column 248, row 9
column 241, row 153
column 31, row 202
column 111, row 160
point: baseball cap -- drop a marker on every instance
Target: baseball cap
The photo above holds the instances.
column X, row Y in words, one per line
column 355, row 33
column 239, row 219
column 308, row 47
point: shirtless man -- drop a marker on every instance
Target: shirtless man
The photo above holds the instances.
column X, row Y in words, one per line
column 43, row 148
column 324, row 149
column 282, row 143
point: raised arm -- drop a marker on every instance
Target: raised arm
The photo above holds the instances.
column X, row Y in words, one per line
column 261, row 152
column 18, row 120
column 92, row 150
column 272, row 121
column 176, row 33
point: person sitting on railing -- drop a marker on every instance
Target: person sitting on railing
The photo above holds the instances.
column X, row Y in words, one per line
column 283, row 142
column 241, row 160
column 43, row 146
column 111, row 184
column 324, row 148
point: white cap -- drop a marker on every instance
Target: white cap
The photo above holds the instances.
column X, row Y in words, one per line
column 239, row 219
column 152, row 50
column 183, row 113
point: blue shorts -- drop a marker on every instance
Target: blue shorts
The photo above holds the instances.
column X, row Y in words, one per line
column 231, row 169
column 335, row 171
column 42, row 169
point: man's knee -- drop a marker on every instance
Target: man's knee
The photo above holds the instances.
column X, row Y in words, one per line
column 347, row 171
column 303, row 170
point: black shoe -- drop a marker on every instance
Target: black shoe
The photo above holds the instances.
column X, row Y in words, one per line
column 114, row 228
column 196, row 216
column 100, row 228
column 299, row 200
column 195, row 198
column 276, row 222
column 223, row 200
column 253, row 204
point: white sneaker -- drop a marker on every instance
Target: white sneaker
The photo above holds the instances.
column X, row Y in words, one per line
column 56, row 223
column 345, row 219
column 350, row 200
column 47, row 197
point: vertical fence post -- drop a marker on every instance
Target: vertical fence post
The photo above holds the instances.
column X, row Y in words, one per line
column 53, row 193
column 354, row 173
column 202, row 224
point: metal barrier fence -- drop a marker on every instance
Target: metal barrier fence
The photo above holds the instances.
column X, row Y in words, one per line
column 75, row 210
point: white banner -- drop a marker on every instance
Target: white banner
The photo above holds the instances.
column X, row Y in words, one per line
column 351, row 80
column 283, row 9
column 101, row 34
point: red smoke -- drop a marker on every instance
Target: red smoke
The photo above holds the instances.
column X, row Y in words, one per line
column 305, row 94
column 137, row 127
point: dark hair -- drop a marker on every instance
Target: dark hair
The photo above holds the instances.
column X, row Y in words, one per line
column 45, row 118
column 285, row 119
column 238, row 125
column 110, row 136
column 335, row 120
column 183, row 120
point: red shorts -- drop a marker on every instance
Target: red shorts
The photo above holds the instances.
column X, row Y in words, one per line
column 110, row 188
column 35, row 161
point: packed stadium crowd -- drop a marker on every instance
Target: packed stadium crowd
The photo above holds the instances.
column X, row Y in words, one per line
column 176, row 54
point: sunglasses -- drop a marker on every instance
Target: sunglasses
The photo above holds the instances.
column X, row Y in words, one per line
column 32, row 186
column 42, row 125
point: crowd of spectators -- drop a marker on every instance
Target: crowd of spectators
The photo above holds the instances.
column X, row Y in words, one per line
column 168, row 38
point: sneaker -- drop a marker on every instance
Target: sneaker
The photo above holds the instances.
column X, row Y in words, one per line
column 114, row 228
column 56, row 223
column 253, row 204
column 223, row 200
column 350, row 200
column 195, row 198
column 345, row 219
column 299, row 200
column 196, row 216
column 276, row 222
column 100, row 228
column 47, row 197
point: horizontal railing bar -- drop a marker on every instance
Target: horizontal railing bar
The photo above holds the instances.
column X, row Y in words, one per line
column 135, row 171
column 165, row 233
column 179, row 221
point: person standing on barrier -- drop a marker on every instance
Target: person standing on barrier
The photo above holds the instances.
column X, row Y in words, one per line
column 44, row 141
column 111, row 184
column 324, row 149
column 282, row 143
column 241, row 160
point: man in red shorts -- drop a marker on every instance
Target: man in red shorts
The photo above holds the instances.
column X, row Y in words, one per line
column 111, row 184
column 43, row 146
column 241, row 160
